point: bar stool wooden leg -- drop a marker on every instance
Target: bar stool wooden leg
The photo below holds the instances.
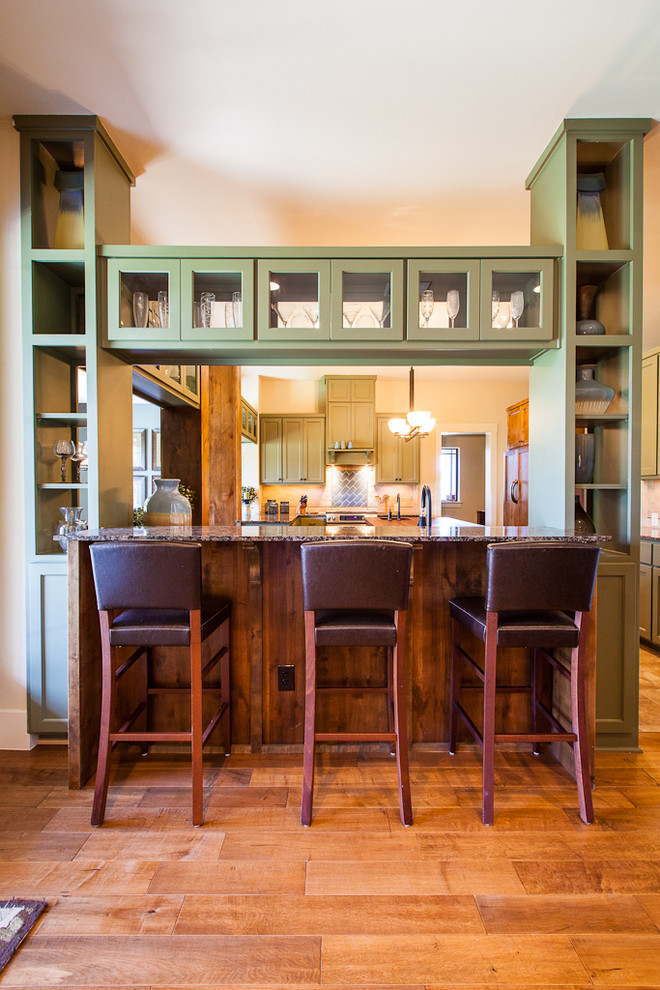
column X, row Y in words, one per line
column 108, row 706
column 196, row 724
column 535, row 681
column 225, row 684
column 580, row 747
column 490, row 693
column 400, row 722
column 310, row 720
column 390, row 698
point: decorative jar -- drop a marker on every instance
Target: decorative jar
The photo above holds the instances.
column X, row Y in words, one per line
column 585, row 454
column 591, row 397
column 72, row 523
column 587, row 323
column 583, row 521
column 590, row 234
column 167, row 506
column 70, row 226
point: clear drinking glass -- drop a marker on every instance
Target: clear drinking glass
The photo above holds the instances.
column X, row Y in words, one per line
column 79, row 456
column 229, row 314
column 141, row 308
column 426, row 305
column 453, row 305
column 237, row 309
column 64, row 449
column 206, row 304
column 495, row 307
column 164, row 308
column 517, row 306
column 311, row 311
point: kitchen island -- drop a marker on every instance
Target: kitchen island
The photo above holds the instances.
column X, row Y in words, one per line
column 258, row 567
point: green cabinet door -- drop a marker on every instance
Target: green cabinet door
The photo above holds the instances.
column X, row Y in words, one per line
column 517, row 299
column 397, row 460
column 650, row 436
column 367, row 299
column 293, row 299
column 137, row 288
column 443, row 299
column 217, row 299
column 270, row 450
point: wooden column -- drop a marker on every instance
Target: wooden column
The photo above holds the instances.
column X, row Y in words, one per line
column 221, row 445
column 181, row 446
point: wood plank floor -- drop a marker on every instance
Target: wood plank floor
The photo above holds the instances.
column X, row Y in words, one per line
column 253, row 900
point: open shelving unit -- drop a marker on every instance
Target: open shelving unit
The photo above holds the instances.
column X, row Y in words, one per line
column 61, row 360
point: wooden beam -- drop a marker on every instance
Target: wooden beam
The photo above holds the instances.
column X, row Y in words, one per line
column 221, row 445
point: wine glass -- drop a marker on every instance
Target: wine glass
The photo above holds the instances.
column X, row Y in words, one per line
column 164, row 308
column 494, row 307
column 426, row 305
column 453, row 305
column 141, row 308
column 64, row 449
column 237, row 309
column 517, row 306
column 206, row 304
column 229, row 314
column 79, row 456
column 311, row 311
column 350, row 312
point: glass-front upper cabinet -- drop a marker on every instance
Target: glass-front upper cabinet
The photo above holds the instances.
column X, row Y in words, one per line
column 293, row 299
column 217, row 300
column 367, row 299
column 517, row 299
column 443, row 300
column 143, row 299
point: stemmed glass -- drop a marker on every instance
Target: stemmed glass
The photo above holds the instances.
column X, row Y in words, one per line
column 64, row 449
column 517, row 306
column 453, row 305
column 141, row 308
column 495, row 307
column 311, row 311
column 79, row 456
column 426, row 306
column 164, row 308
column 350, row 311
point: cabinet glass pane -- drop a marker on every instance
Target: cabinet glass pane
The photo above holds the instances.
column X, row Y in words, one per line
column 515, row 300
column 366, row 299
column 443, row 300
column 144, row 300
column 217, row 300
column 57, row 195
column 294, row 300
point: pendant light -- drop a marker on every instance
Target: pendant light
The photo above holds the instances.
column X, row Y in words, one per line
column 416, row 424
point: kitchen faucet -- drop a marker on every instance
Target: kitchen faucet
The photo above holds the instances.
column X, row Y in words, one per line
column 398, row 506
column 425, row 513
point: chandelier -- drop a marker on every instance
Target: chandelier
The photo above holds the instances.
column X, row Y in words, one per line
column 416, row 424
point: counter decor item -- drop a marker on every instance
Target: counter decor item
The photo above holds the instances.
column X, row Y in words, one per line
column 585, row 452
column 583, row 521
column 248, row 496
column 167, row 506
column 70, row 225
column 64, row 449
column 72, row 523
column 590, row 234
column 587, row 323
column 302, row 506
column 592, row 398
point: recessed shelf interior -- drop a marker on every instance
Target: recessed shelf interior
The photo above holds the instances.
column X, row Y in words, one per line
column 58, row 293
column 612, row 301
column 613, row 159
column 49, row 158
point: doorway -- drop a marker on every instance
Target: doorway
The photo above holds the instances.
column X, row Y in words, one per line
column 464, row 466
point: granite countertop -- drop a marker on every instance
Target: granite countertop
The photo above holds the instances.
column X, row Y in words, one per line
column 443, row 529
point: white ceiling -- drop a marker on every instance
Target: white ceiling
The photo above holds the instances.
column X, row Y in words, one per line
column 349, row 102
column 358, row 98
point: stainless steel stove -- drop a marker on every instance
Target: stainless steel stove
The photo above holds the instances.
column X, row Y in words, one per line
column 337, row 517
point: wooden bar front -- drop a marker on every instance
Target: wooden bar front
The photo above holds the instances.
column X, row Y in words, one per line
column 263, row 579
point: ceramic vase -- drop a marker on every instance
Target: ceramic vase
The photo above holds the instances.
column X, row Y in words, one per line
column 590, row 234
column 72, row 523
column 583, row 521
column 591, row 397
column 587, row 323
column 70, row 226
column 585, row 453
column 167, row 506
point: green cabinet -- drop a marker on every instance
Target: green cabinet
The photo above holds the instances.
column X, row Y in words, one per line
column 293, row 299
column 443, row 299
column 650, row 459
column 367, row 299
column 291, row 450
column 166, row 299
column 73, row 391
column 350, row 411
column 397, row 460
column 517, row 299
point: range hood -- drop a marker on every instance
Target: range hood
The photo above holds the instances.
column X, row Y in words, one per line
column 353, row 457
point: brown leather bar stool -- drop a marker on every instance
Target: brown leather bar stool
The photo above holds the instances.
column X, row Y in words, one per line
column 150, row 594
column 538, row 596
column 355, row 593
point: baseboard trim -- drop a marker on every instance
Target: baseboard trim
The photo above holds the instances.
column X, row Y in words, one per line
column 13, row 730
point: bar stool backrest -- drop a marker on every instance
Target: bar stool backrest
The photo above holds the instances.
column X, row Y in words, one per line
column 356, row 575
column 540, row 576
column 147, row 575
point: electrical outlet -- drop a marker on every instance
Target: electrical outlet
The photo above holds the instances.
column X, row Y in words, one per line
column 286, row 677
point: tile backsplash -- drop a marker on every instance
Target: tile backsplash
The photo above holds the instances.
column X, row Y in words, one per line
column 650, row 503
column 349, row 488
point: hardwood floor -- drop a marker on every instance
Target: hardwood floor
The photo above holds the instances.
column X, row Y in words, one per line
column 254, row 900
